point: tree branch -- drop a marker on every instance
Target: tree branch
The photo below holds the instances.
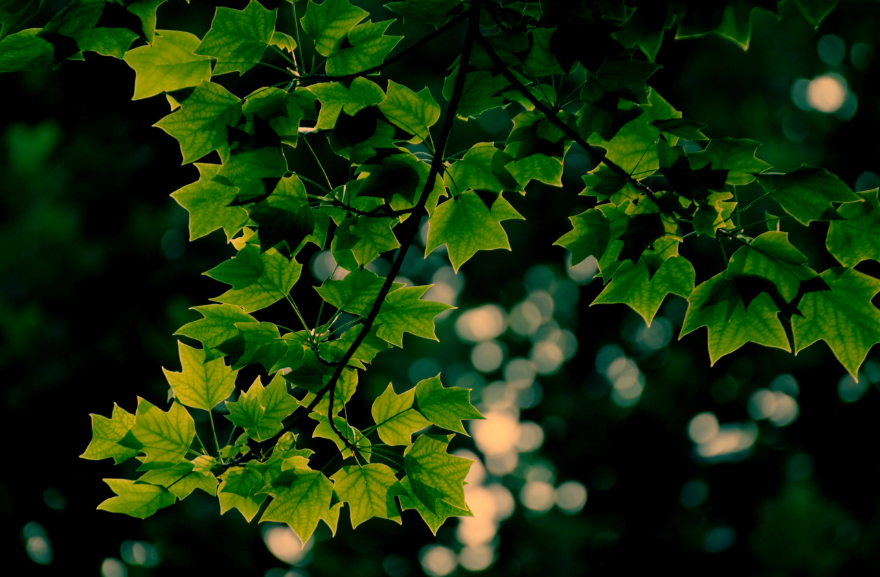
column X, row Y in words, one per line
column 567, row 130
column 407, row 235
column 412, row 224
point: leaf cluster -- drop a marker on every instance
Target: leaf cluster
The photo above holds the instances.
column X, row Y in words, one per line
column 577, row 72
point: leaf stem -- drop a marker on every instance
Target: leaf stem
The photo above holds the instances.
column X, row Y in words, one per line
column 231, row 434
column 296, row 25
column 275, row 67
column 749, row 205
column 216, row 442
column 318, row 160
column 296, row 310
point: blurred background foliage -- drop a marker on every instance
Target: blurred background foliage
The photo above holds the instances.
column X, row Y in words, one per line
column 610, row 446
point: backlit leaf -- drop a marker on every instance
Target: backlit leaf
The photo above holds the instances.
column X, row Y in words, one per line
column 237, row 38
column 843, row 317
column 395, row 418
column 368, row 491
column 163, row 437
column 136, row 500
column 202, row 384
column 200, row 124
column 465, row 225
column 168, row 64
column 807, row 193
column 444, row 406
column 258, row 280
column 106, row 434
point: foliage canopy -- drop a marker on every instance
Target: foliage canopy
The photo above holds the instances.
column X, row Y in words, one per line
column 579, row 72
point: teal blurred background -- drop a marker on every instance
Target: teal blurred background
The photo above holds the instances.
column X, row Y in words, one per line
column 610, row 446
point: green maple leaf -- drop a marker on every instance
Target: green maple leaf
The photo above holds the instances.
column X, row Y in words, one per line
column 136, row 500
column 258, row 280
column 16, row 12
column 816, row 10
column 465, row 225
column 283, row 41
column 717, row 305
column 539, row 59
column 168, row 64
column 24, row 51
column 368, row 47
column 605, row 184
column 589, row 237
column 737, row 157
column 538, row 146
column 256, row 173
column 773, row 258
column 207, row 202
column 404, row 312
column 687, row 129
column 356, row 292
column 202, row 384
column 843, row 317
column 181, row 480
column 354, row 436
column 644, row 292
column 714, row 214
column 260, row 411
column 163, row 437
column 395, row 418
column 284, row 454
column 444, row 406
column 857, row 238
column 618, row 78
column 434, row 474
column 145, row 10
column 69, row 29
column 106, row 434
column 482, row 91
column 217, row 327
column 633, row 147
column 302, row 503
column 434, row 518
column 368, row 490
column 359, row 240
column 282, row 110
column 328, row 23
column 285, row 215
column 414, row 112
column 238, row 490
column 336, row 98
column 238, row 38
column 116, row 41
column 349, row 139
column 260, row 343
column 433, row 12
column 113, row 42
column 481, row 168
column 200, row 124
column 807, row 193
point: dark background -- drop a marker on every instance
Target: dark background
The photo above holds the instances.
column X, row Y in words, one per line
column 96, row 275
